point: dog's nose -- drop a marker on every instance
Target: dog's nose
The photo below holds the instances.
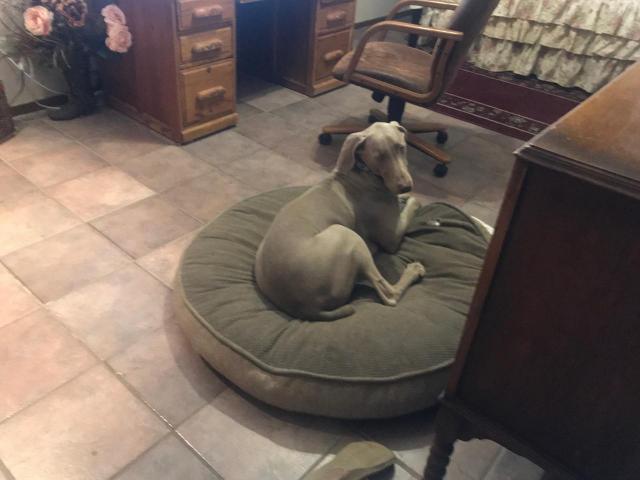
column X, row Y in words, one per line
column 404, row 188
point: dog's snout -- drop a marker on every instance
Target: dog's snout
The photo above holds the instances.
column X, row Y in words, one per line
column 404, row 188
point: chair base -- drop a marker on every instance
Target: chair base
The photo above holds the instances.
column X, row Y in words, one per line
column 413, row 129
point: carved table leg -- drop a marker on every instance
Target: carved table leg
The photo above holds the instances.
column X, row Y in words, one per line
column 448, row 427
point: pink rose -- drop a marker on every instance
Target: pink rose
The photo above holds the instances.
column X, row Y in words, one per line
column 113, row 15
column 119, row 38
column 37, row 20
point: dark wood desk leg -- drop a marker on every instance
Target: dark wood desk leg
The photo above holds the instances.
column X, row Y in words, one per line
column 416, row 16
column 448, row 429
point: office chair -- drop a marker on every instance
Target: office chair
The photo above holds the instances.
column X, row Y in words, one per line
column 408, row 74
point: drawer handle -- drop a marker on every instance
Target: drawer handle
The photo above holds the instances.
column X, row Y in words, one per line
column 333, row 56
column 210, row 94
column 337, row 16
column 208, row 12
column 206, row 47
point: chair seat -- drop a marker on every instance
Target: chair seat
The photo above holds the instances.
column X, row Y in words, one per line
column 394, row 63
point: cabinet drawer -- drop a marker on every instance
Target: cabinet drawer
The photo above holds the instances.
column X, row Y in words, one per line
column 211, row 45
column 208, row 91
column 202, row 13
column 334, row 15
column 329, row 50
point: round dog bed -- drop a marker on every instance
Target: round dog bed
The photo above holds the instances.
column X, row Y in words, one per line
column 380, row 362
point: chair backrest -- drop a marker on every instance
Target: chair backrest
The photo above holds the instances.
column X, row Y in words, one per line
column 470, row 18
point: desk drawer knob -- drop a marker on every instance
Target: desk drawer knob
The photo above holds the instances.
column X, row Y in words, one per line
column 212, row 46
column 211, row 94
column 333, row 56
column 208, row 12
column 337, row 16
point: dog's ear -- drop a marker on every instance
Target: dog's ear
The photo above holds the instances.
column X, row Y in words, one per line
column 399, row 127
column 347, row 156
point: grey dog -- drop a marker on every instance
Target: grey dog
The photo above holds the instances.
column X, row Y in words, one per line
column 320, row 244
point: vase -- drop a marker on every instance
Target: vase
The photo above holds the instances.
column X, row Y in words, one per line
column 6, row 122
column 77, row 73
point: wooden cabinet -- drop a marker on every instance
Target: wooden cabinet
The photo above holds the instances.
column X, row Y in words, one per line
column 310, row 39
column 179, row 77
column 549, row 363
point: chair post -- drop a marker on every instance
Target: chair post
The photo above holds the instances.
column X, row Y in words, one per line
column 395, row 109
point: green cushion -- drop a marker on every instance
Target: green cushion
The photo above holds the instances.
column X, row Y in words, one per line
column 377, row 346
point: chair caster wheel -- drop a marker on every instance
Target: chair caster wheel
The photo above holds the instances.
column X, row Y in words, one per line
column 442, row 137
column 440, row 170
column 325, row 138
column 378, row 96
column 372, row 119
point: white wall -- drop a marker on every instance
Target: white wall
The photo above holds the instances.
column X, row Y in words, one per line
column 368, row 9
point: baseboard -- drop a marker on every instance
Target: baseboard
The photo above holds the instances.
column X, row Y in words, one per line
column 30, row 107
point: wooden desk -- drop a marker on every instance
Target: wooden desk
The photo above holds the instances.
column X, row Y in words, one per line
column 549, row 363
column 180, row 75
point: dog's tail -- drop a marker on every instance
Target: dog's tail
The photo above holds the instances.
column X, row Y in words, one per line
column 329, row 315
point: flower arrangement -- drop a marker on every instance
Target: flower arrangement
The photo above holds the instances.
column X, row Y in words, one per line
column 63, row 21
column 65, row 34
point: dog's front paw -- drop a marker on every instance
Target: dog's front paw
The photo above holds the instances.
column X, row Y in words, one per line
column 417, row 269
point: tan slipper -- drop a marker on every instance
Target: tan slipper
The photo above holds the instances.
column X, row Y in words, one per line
column 356, row 461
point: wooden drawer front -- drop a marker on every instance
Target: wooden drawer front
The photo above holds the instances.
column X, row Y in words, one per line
column 335, row 15
column 212, row 45
column 202, row 13
column 329, row 50
column 208, row 91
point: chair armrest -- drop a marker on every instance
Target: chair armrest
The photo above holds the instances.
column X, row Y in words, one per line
column 423, row 3
column 391, row 25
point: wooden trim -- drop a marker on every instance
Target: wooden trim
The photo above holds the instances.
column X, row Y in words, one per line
column 202, row 129
column 30, row 107
column 491, row 261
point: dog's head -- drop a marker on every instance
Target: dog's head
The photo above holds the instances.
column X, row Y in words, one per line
column 383, row 149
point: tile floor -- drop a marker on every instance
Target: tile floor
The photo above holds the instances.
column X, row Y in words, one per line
column 96, row 380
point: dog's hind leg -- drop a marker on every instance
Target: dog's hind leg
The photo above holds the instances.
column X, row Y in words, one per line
column 388, row 293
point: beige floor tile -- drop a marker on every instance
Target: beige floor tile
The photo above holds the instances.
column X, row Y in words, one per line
column 56, row 266
column 207, row 196
column 510, row 466
column 222, row 148
column 12, row 184
column 88, row 429
column 116, row 310
column 4, row 472
column 32, row 137
column 163, row 262
column 273, row 99
column 426, row 194
column 58, row 165
column 170, row 459
column 30, row 218
column 244, row 110
column 268, row 129
column 266, row 170
column 396, row 472
column 410, row 437
column 131, row 141
column 350, row 100
column 306, row 150
column 484, row 153
column 487, row 215
column 99, row 192
column 244, row 441
column 16, row 301
column 168, row 374
column 311, row 115
column 37, row 354
column 163, row 168
column 83, row 128
column 144, row 226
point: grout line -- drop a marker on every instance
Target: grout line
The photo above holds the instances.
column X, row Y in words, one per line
column 137, row 457
column 322, row 456
column 5, row 471
column 193, row 450
column 38, row 400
